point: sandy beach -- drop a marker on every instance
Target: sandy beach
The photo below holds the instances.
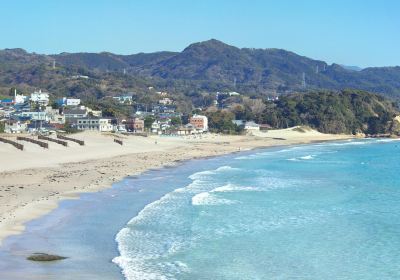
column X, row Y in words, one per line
column 33, row 181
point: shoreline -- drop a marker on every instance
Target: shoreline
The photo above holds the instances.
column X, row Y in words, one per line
column 34, row 192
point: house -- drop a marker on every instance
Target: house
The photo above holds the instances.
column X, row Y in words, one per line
column 199, row 122
column 94, row 123
column 165, row 127
column 41, row 127
column 40, row 98
column 7, row 102
column 165, row 101
column 75, row 113
column 34, row 116
column 265, row 127
column 55, row 116
column 123, row 99
column 95, row 113
column 162, row 93
column 105, row 124
column 135, row 125
column 251, row 126
column 14, row 126
column 184, row 131
column 239, row 123
column 155, row 127
column 69, row 101
column 188, row 129
column 20, row 98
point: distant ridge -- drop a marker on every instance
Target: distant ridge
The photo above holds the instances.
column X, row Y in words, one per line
column 205, row 66
column 351, row 68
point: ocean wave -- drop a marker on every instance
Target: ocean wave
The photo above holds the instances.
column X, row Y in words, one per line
column 134, row 269
column 308, row 157
column 234, row 188
column 207, row 198
column 201, row 174
column 388, row 140
column 226, row 168
column 347, row 143
column 207, row 173
column 139, row 260
column 268, row 153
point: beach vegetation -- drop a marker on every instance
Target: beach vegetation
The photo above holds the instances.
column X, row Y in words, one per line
column 347, row 111
column 43, row 257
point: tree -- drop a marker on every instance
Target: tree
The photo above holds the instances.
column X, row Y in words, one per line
column 256, row 106
column 176, row 121
column 148, row 121
column 348, row 111
column 221, row 121
column 2, row 127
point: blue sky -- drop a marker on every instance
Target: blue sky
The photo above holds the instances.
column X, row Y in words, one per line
column 352, row 32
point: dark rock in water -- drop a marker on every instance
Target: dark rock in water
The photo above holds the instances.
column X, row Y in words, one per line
column 42, row 257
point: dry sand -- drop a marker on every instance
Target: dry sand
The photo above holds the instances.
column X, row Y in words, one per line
column 33, row 181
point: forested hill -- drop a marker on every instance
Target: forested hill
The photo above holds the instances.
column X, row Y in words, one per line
column 348, row 111
column 206, row 66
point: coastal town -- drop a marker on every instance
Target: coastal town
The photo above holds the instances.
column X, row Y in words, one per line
column 38, row 113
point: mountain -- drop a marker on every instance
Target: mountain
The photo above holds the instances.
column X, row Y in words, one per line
column 205, row 66
column 110, row 62
column 351, row 68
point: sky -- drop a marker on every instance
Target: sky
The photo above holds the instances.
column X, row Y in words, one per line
column 351, row 32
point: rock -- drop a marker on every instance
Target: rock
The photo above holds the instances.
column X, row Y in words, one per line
column 42, row 257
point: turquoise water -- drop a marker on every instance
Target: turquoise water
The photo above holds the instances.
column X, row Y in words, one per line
column 322, row 211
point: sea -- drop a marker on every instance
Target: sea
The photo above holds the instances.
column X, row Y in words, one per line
column 318, row 211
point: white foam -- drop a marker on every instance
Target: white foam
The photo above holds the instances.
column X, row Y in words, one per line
column 308, row 157
column 201, row 175
column 207, row 198
column 134, row 269
column 349, row 143
column 226, row 168
column 388, row 140
column 234, row 188
column 140, row 260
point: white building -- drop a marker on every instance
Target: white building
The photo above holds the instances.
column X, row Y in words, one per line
column 165, row 101
column 124, row 99
column 15, row 127
column 73, row 101
column 251, row 126
column 155, row 127
column 69, row 101
column 100, row 124
column 19, row 98
column 105, row 125
column 41, row 98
